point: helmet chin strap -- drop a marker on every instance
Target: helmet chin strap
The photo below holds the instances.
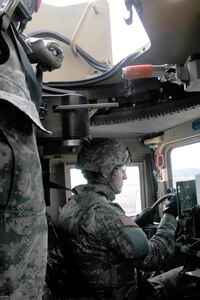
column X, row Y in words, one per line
column 100, row 180
column 114, row 189
column 109, row 181
column 112, row 185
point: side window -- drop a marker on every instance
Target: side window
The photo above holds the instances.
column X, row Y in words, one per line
column 76, row 177
column 129, row 199
column 185, row 162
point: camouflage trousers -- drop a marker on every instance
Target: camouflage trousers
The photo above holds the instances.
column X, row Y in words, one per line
column 23, row 228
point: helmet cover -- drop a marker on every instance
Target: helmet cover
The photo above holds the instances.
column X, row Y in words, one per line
column 102, row 155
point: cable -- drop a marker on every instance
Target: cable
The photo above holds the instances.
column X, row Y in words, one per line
column 103, row 67
column 108, row 72
column 48, row 91
column 107, row 75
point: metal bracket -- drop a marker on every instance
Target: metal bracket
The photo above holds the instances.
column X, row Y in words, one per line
column 78, row 28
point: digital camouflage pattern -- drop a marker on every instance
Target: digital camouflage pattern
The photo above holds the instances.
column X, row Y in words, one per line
column 32, row 5
column 23, row 228
column 12, row 82
column 92, row 227
column 102, row 155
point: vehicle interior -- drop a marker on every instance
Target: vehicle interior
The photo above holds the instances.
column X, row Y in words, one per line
column 141, row 86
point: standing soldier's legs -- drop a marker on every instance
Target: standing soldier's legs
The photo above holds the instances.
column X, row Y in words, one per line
column 23, row 228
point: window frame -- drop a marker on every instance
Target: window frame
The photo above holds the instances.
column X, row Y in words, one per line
column 142, row 179
column 167, row 153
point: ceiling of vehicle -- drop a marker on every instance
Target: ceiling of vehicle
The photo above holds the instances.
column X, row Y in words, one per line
column 145, row 127
column 172, row 27
column 153, row 105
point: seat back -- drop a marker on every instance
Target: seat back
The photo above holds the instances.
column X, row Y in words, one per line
column 62, row 273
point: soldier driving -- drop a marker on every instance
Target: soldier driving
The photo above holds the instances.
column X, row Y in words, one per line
column 107, row 244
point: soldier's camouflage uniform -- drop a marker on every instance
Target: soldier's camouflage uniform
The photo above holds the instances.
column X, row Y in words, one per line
column 106, row 243
column 23, row 228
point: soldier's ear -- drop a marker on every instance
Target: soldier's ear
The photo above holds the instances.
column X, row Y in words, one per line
column 106, row 175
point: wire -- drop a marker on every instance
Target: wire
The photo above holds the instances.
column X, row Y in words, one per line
column 106, row 76
column 108, row 71
column 103, row 67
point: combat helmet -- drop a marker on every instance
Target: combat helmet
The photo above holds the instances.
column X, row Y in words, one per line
column 102, row 155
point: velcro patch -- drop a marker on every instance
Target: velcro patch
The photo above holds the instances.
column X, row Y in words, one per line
column 128, row 222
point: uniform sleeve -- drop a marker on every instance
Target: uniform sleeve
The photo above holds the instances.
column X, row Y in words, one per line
column 120, row 233
column 162, row 244
column 123, row 239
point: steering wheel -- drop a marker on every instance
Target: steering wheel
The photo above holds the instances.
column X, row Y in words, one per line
column 161, row 199
column 151, row 210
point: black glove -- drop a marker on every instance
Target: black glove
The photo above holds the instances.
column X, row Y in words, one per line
column 171, row 190
column 145, row 217
column 46, row 53
column 171, row 206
